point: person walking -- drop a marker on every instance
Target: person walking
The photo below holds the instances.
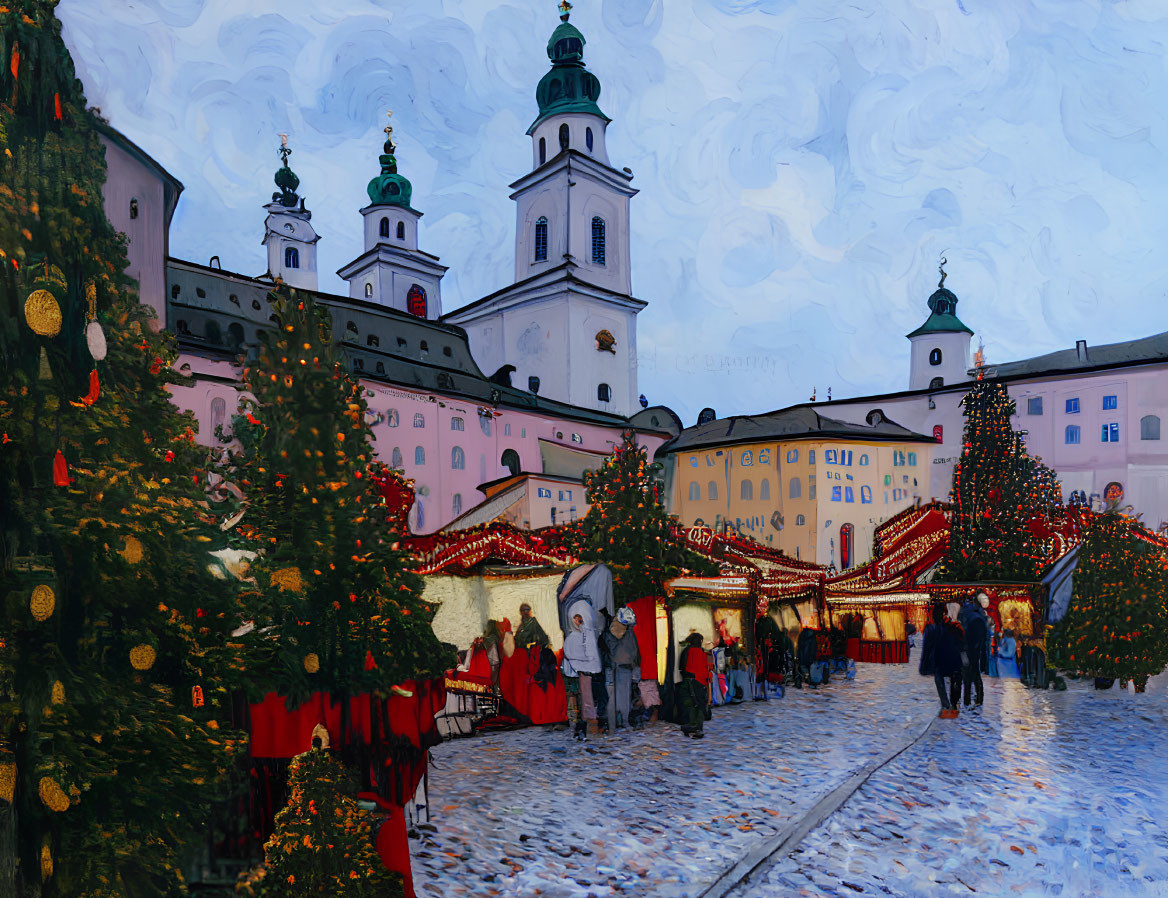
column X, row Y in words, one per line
column 624, row 670
column 976, row 633
column 928, row 664
column 582, row 662
column 950, row 645
column 694, row 691
column 1008, row 655
column 807, row 653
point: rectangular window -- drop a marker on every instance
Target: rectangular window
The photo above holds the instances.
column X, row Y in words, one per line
column 1110, row 402
column 544, row 493
column 1111, row 433
column 1071, row 435
column 457, row 424
column 848, row 496
column 693, row 461
column 506, row 430
column 523, row 433
column 1034, row 405
column 811, row 487
column 1073, row 406
column 837, row 494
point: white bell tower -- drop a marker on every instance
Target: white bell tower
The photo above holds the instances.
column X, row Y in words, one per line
column 288, row 233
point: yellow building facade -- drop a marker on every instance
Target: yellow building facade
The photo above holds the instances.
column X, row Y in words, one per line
column 817, row 489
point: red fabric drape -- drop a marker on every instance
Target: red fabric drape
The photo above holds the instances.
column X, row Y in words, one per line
column 394, row 847
column 548, row 705
column 646, row 630
column 277, row 732
column 513, row 681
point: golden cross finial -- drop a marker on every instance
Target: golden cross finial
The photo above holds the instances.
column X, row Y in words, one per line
column 941, row 268
column 283, row 140
column 389, row 128
column 565, row 9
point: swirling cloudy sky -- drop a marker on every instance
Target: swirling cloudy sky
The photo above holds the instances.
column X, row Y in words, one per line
column 802, row 163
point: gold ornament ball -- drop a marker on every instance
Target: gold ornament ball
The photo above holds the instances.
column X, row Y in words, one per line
column 52, row 795
column 43, row 313
column 311, row 662
column 133, row 550
column 142, row 657
column 7, row 781
column 43, row 602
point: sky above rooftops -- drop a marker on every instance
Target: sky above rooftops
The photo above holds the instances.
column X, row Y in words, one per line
column 802, row 164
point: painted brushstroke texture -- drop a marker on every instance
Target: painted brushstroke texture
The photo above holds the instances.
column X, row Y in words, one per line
column 802, row 163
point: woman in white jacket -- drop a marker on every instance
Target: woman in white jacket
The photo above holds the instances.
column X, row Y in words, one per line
column 582, row 657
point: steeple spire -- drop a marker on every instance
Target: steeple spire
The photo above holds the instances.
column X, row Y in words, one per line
column 286, row 179
column 389, row 188
column 569, row 86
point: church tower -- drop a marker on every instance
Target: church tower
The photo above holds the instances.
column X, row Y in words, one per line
column 940, row 346
column 392, row 271
column 288, row 234
column 569, row 322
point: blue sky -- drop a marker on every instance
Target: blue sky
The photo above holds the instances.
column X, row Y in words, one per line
column 802, row 163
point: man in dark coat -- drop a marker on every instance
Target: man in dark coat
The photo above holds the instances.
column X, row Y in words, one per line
column 928, row 650
column 950, row 646
column 806, row 653
column 976, row 633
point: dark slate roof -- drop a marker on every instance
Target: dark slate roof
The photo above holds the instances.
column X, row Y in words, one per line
column 209, row 308
column 798, row 422
column 1110, row 355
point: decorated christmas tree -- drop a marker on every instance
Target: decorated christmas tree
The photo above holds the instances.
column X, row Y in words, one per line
column 1116, row 625
column 335, row 607
column 1002, row 497
column 111, row 625
column 627, row 528
column 323, row 843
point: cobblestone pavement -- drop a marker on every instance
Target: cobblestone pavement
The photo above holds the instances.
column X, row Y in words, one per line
column 651, row 813
column 1039, row 793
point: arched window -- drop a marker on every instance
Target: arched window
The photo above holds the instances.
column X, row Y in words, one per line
column 604, row 393
column 396, row 460
column 456, row 505
column 935, row 357
column 485, row 425
column 383, row 227
column 368, row 290
column 379, row 368
column 564, row 134
column 936, row 383
column 533, row 384
column 764, row 489
column 846, row 536
column 510, row 461
column 457, row 424
column 234, row 335
column 795, row 488
column 1150, row 427
column 712, row 490
column 351, row 332
column 800, row 520
column 541, row 239
column 416, row 301
column 695, row 492
column 420, row 455
column 419, row 419
column 218, row 415
column 866, row 495
column 939, row 433
column 401, row 230
column 372, row 340
column 291, row 257
column 746, row 491
column 598, row 240
column 542, row 151
column 863, row 459
column 392, row 418
column 747, row 458
column 457, row 459
column 588, row 138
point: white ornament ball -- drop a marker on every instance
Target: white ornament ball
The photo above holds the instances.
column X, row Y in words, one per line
column 95, row 337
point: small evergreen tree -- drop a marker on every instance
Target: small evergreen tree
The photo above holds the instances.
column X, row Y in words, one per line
column 1116, row 625
column 111, row 624
column 323, row 843
column 627, row 528
column 1000, row 494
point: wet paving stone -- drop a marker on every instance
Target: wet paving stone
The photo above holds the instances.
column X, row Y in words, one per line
column 1037, row 794
column 649, row 813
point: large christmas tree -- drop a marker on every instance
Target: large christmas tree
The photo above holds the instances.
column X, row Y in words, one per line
column 1001, row 496
column 335, row 606
column 111, row 622
column 1117, row 622
column 627, row 528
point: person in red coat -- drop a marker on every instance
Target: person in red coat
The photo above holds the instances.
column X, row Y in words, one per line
column 694, row 687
